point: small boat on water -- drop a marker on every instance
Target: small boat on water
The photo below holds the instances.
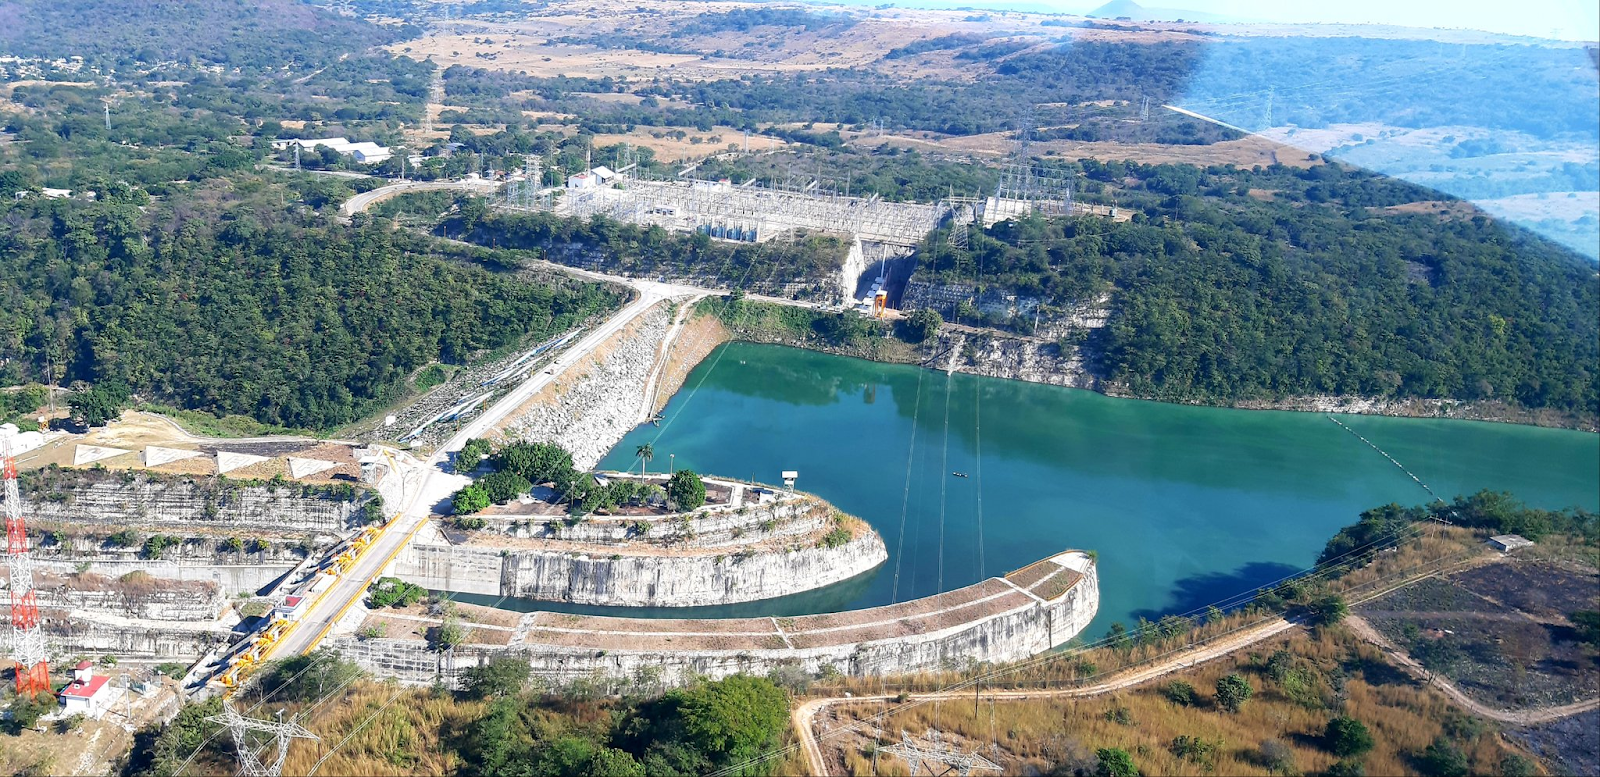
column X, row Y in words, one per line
column 959, row 474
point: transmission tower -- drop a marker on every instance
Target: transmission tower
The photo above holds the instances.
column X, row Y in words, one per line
column 27, row 641
column 281, row 733
column 1272, row 92
column 1144, row 109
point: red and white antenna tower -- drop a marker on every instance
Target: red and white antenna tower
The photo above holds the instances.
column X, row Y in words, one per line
column 27, row 641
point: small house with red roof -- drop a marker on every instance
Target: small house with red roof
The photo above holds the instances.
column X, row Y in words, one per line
column 88, row 695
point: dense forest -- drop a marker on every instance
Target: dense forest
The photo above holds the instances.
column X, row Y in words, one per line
column 259, row 35
column 623, row 248
column 290, row 323
column 1060, row 77
column 1231, row 284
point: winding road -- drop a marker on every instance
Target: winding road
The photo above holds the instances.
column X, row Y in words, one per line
column 428, row 483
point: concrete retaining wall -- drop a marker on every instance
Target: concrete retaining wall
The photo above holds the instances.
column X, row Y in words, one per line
column 152, row 640
column 629, row 580
column 618, row 652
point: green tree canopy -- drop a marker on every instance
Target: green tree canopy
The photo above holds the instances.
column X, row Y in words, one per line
column 686, row 490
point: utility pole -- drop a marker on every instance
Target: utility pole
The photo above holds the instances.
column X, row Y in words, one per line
column 108, row 117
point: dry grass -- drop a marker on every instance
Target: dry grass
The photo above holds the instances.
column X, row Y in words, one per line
column 1034, row 734
column 407, row 731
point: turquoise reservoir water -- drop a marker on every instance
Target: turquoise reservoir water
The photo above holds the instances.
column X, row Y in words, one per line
column 1185, row 505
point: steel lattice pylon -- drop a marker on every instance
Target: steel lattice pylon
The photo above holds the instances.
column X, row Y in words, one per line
column 250, row 764
column 27, row 641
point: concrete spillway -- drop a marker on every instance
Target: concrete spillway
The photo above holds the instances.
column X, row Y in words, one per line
column 1009, row 618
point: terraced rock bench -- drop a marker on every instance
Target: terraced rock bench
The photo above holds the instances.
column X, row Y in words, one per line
column 1001, row 619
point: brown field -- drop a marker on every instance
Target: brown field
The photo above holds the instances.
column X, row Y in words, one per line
column 1345, row 674
column 669, row 149
column 1245, row 152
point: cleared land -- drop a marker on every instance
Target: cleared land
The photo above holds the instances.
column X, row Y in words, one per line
column 1498, row 632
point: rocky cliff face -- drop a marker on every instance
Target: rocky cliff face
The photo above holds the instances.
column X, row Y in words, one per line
column 600, row 398
column 129, row 499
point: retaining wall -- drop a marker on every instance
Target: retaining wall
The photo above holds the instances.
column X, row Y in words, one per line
column 635, row 580
column 127, row 499
column 1027, row 612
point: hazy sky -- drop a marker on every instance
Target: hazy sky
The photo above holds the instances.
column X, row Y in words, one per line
column 1566, row 19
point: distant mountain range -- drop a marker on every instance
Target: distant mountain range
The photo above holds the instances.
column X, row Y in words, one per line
column 1117, row 9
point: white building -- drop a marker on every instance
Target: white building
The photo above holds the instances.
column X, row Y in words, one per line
column 369, row 153
column 365, row 152
column 1506, row 543
column 581, row 181
column 87, row 694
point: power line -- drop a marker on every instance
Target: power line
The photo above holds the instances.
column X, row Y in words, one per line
column 279, row 732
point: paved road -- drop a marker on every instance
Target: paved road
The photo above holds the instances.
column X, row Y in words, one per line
column 428, row 484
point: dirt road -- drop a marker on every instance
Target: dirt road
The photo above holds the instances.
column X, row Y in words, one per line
column 1365, row 630
column 805, row 714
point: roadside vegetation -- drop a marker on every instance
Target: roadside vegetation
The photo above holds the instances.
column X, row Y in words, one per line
column 519, row 468
column 503, row 722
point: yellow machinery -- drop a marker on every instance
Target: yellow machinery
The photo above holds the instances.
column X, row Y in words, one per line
column 880, row 304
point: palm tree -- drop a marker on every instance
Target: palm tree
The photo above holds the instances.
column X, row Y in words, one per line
column 645, row 452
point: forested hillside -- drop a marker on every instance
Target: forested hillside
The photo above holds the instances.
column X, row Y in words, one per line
column 296, row 324
column 261, row 34
column 1231, row 284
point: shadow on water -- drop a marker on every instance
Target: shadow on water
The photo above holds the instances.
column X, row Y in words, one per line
column 834, row 598
column 1191, row 595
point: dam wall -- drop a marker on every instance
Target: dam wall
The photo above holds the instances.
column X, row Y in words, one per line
column 1001, row 619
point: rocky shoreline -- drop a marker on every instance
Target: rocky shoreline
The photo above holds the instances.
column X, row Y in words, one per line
column 1016, row 358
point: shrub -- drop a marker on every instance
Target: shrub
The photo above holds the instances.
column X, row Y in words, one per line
column 449, row 633
column 469, row 500
column 158, row 544
column 686, row 490
column 1347, row 767
column 833, row 539
column 501, row 676
column 1233, row 691
column 127, row 538
column 1328, row 610
column 1588, row 625
column 1202, row 752
column 1114, row 762
column 1179, row 692
column 1347, row 737
column 394, row 592
column 1514, row 765
column 1443, row 759
column 1120, row 715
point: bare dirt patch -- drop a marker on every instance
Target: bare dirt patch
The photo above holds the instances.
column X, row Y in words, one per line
column 1495, row 652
